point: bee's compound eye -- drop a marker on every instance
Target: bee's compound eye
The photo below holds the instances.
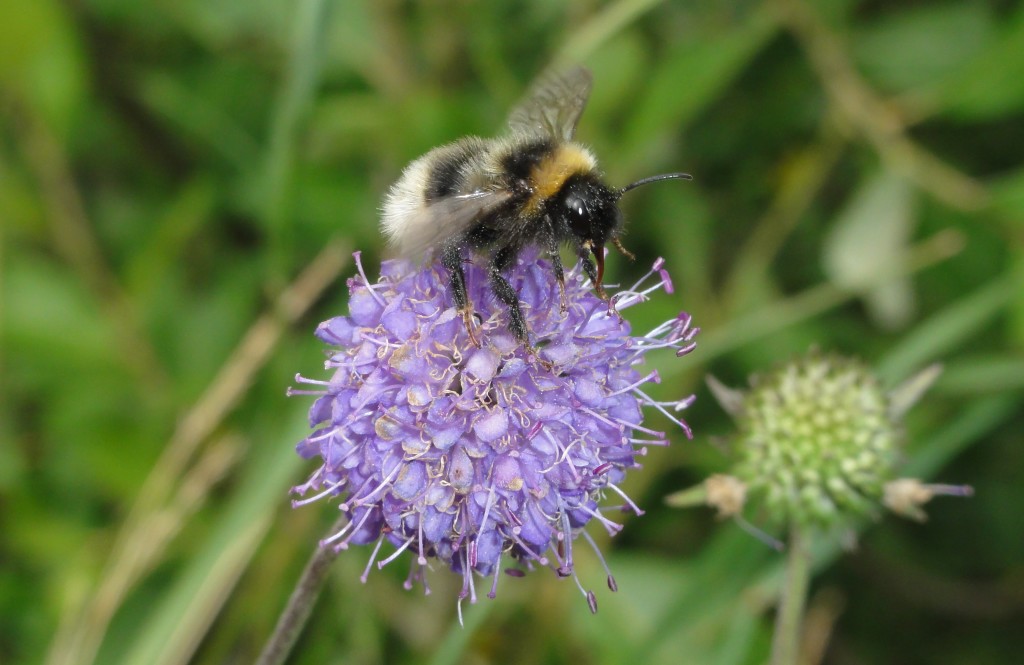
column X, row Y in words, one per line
column 577, row 212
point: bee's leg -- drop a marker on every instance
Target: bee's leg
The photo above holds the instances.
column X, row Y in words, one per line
column 501, row 260
column 591, row 272
column 556, row 266
column 451, row 259
column 625, row 252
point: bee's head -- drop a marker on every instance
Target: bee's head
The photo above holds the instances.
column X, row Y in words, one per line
column 590, row 212
column 591, row 216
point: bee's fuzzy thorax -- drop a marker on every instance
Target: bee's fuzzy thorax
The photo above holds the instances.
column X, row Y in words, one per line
column 550, row 173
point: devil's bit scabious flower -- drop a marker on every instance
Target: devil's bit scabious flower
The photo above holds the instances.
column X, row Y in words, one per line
column 478, row 456
column 818, row 445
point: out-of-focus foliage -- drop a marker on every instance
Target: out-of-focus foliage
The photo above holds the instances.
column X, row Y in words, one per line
column 169, row 170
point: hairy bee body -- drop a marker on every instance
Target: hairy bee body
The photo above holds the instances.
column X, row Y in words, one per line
column 493, row 197
column 521, row 172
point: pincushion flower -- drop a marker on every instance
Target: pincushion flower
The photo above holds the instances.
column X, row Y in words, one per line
column 817, row 449
column 490, row 455
column 818, row 444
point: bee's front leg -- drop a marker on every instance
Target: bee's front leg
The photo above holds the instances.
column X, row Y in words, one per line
column 556, row 267
column 590, row 270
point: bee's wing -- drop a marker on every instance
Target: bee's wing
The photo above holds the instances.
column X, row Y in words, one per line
column 427, row 226
column 554, row 105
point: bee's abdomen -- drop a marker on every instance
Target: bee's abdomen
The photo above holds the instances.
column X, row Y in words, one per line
column 447, row 174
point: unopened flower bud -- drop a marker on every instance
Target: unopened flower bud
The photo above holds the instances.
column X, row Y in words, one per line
column 816, row 439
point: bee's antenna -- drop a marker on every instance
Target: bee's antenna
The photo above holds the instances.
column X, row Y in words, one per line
column 656, row 178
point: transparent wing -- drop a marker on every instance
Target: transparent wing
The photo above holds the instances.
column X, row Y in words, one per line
column 428, row 226
column 554, row 104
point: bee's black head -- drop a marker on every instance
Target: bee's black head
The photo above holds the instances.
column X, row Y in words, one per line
column 589, row 213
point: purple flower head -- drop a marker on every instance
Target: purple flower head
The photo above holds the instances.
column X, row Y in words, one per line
column 483, row 456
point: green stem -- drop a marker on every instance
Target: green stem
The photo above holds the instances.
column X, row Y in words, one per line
column 788, row 622
column 300, row 604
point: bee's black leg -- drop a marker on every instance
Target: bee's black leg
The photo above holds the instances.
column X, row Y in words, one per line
column 451, row 259
column 556, row 266
column 501, row 260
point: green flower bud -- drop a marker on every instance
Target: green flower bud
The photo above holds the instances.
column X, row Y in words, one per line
column 818, row 440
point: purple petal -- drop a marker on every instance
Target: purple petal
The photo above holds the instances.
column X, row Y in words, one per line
column 410, row 481
column 491, row 426
column 482, row 364
column 506, row 473
column 460, row 472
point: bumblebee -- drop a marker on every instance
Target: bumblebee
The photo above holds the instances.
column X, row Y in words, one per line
column 493, row 197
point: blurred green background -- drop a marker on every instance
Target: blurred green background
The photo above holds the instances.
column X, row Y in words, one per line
column 182, row 184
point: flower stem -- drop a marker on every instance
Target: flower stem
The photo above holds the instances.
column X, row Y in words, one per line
column 300, row 604
column 789, row 620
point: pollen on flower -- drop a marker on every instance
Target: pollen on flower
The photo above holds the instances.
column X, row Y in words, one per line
column 484, row 457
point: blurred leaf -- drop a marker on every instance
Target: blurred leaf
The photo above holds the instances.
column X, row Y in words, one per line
column 1008, row 197
column 1015, row 327
column 23, row 215
column 992, row 84
column 917, row 46
column 340, row 125
column 216, row 25
column 198, row 115
column 42, row 305
column 291, row 109
column 615, row 67
column 955, row 325
column 456, row 643
column 170, row 233
column 705, row 598
column 352, row 40
column 688, row 79
column 173, row 628
column 870, row 238
column 40, row 59
column 982, row 374
column 967, row 427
